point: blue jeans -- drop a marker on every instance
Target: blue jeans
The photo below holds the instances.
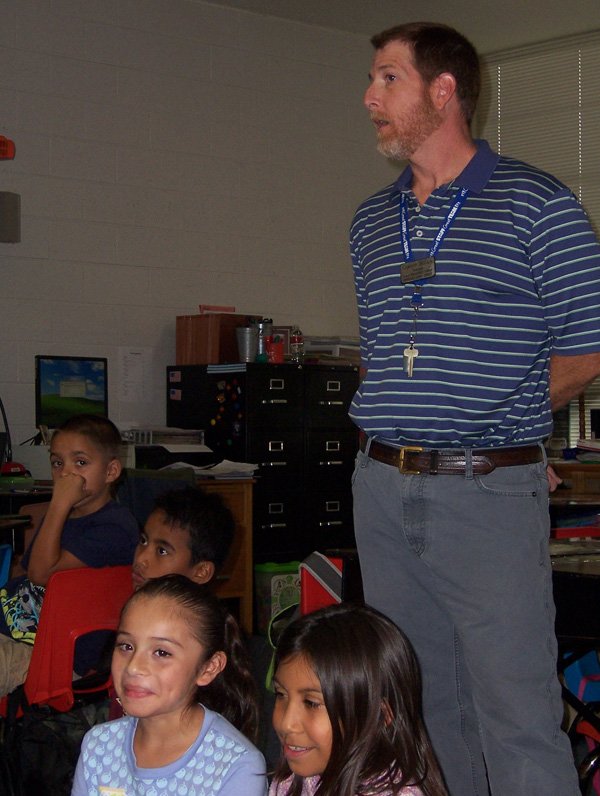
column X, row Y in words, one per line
column 461, row 564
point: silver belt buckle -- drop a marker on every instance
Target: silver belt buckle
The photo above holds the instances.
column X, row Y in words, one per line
column 402, row 459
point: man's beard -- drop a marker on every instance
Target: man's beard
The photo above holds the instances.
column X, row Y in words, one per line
column 415, row 130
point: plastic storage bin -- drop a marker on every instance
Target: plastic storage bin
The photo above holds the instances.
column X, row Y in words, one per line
column 276, row 586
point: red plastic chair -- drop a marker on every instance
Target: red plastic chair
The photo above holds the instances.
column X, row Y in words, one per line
column 77, row 601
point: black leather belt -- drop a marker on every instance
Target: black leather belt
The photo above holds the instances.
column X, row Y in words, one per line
column 423, row 460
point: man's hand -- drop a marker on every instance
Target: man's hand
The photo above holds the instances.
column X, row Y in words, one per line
column 554, row 478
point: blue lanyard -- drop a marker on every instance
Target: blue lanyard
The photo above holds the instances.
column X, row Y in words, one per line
column 446, row 224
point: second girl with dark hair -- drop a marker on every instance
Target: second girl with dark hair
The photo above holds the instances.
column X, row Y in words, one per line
column 348, row 709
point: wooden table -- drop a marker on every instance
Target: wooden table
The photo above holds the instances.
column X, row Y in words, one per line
column 575, row 504
column 581, row 485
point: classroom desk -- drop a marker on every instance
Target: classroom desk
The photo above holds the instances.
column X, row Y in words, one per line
column 12, row 527
column 12, row 499
column 235, row 580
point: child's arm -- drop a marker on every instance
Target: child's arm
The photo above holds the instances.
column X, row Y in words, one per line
column 46, row 555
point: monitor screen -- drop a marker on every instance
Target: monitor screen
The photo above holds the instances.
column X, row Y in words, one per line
column 67, row 386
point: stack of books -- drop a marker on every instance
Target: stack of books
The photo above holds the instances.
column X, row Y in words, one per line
column 339, row 350
column 588, row 450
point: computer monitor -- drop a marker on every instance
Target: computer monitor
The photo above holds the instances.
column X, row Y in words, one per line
column 67, row 386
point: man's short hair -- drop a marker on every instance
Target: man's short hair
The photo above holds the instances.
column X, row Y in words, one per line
column 436, row 49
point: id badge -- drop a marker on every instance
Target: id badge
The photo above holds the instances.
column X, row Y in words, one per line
column 415, row 270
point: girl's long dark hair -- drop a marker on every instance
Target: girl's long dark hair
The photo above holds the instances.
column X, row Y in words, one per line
column 371, row 688
column 233, row 692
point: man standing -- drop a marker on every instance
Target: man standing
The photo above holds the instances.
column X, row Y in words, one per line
column 478, row 282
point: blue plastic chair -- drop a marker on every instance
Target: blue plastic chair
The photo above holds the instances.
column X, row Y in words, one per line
column 6, row 552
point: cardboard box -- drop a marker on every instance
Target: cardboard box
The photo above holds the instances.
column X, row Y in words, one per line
column 207, row 339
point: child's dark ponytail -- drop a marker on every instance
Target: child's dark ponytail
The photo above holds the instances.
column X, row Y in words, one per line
column 233, row 692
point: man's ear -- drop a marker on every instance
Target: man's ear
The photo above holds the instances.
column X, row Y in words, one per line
column 442, row 89
column 113, row 471
column 213, row 667
column 203, row 572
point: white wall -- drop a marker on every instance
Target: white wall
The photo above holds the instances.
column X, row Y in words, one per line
column 171, row 153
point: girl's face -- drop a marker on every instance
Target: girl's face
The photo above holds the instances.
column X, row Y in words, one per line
column 300, row 718
column 157, row 663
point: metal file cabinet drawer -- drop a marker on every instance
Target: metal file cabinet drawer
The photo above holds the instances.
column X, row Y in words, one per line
column 274, row 396
column 279, row 533
column 330, row 457
column 329, row 519
column 278, row 454
column 328, row 393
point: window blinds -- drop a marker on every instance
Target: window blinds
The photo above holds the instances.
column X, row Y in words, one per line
column 541, row 104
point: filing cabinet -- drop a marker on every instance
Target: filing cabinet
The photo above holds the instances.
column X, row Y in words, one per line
column 292, row 421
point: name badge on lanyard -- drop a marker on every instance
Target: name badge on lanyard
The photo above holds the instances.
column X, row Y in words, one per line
column 414, row 270
column 418, row 272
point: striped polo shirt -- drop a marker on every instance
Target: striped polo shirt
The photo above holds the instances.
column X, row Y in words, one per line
column 517, row 277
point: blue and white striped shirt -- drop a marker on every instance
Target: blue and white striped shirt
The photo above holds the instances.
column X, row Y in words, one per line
column 517, row 277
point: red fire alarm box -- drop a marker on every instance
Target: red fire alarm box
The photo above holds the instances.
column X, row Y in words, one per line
column 7, row 148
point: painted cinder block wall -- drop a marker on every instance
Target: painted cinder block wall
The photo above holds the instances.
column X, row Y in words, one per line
column 171, row 153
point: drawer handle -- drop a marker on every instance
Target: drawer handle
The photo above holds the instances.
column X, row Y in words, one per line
column 331, row 403
column 334, row 386
column 274, row 401
column 330, row 463
column 273, row 464
column 271, row 525
column 332, row 445
column 330, row 523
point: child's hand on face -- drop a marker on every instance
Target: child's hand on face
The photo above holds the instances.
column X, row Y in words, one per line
column 69, row 489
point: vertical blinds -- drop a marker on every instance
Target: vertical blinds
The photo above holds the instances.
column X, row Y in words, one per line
column 541, row 104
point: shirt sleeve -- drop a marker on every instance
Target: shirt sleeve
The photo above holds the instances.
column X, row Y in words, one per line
column 106, row 540
column 248, row 776
column 565, row 262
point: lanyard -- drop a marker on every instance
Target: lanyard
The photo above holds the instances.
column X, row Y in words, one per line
column 441, row 234
column 422, row 270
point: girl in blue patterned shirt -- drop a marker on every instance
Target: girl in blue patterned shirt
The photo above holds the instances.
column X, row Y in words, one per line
column 180, row 672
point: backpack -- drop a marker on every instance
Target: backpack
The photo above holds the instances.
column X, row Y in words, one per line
column 328, row 576
column 39, row 750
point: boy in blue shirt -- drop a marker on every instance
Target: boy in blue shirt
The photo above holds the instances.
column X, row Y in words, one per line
column 83, row 527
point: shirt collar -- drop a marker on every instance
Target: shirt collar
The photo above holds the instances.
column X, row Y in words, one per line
column 475, row 175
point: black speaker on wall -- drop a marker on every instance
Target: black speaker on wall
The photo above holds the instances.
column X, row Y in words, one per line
column 10, row 217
